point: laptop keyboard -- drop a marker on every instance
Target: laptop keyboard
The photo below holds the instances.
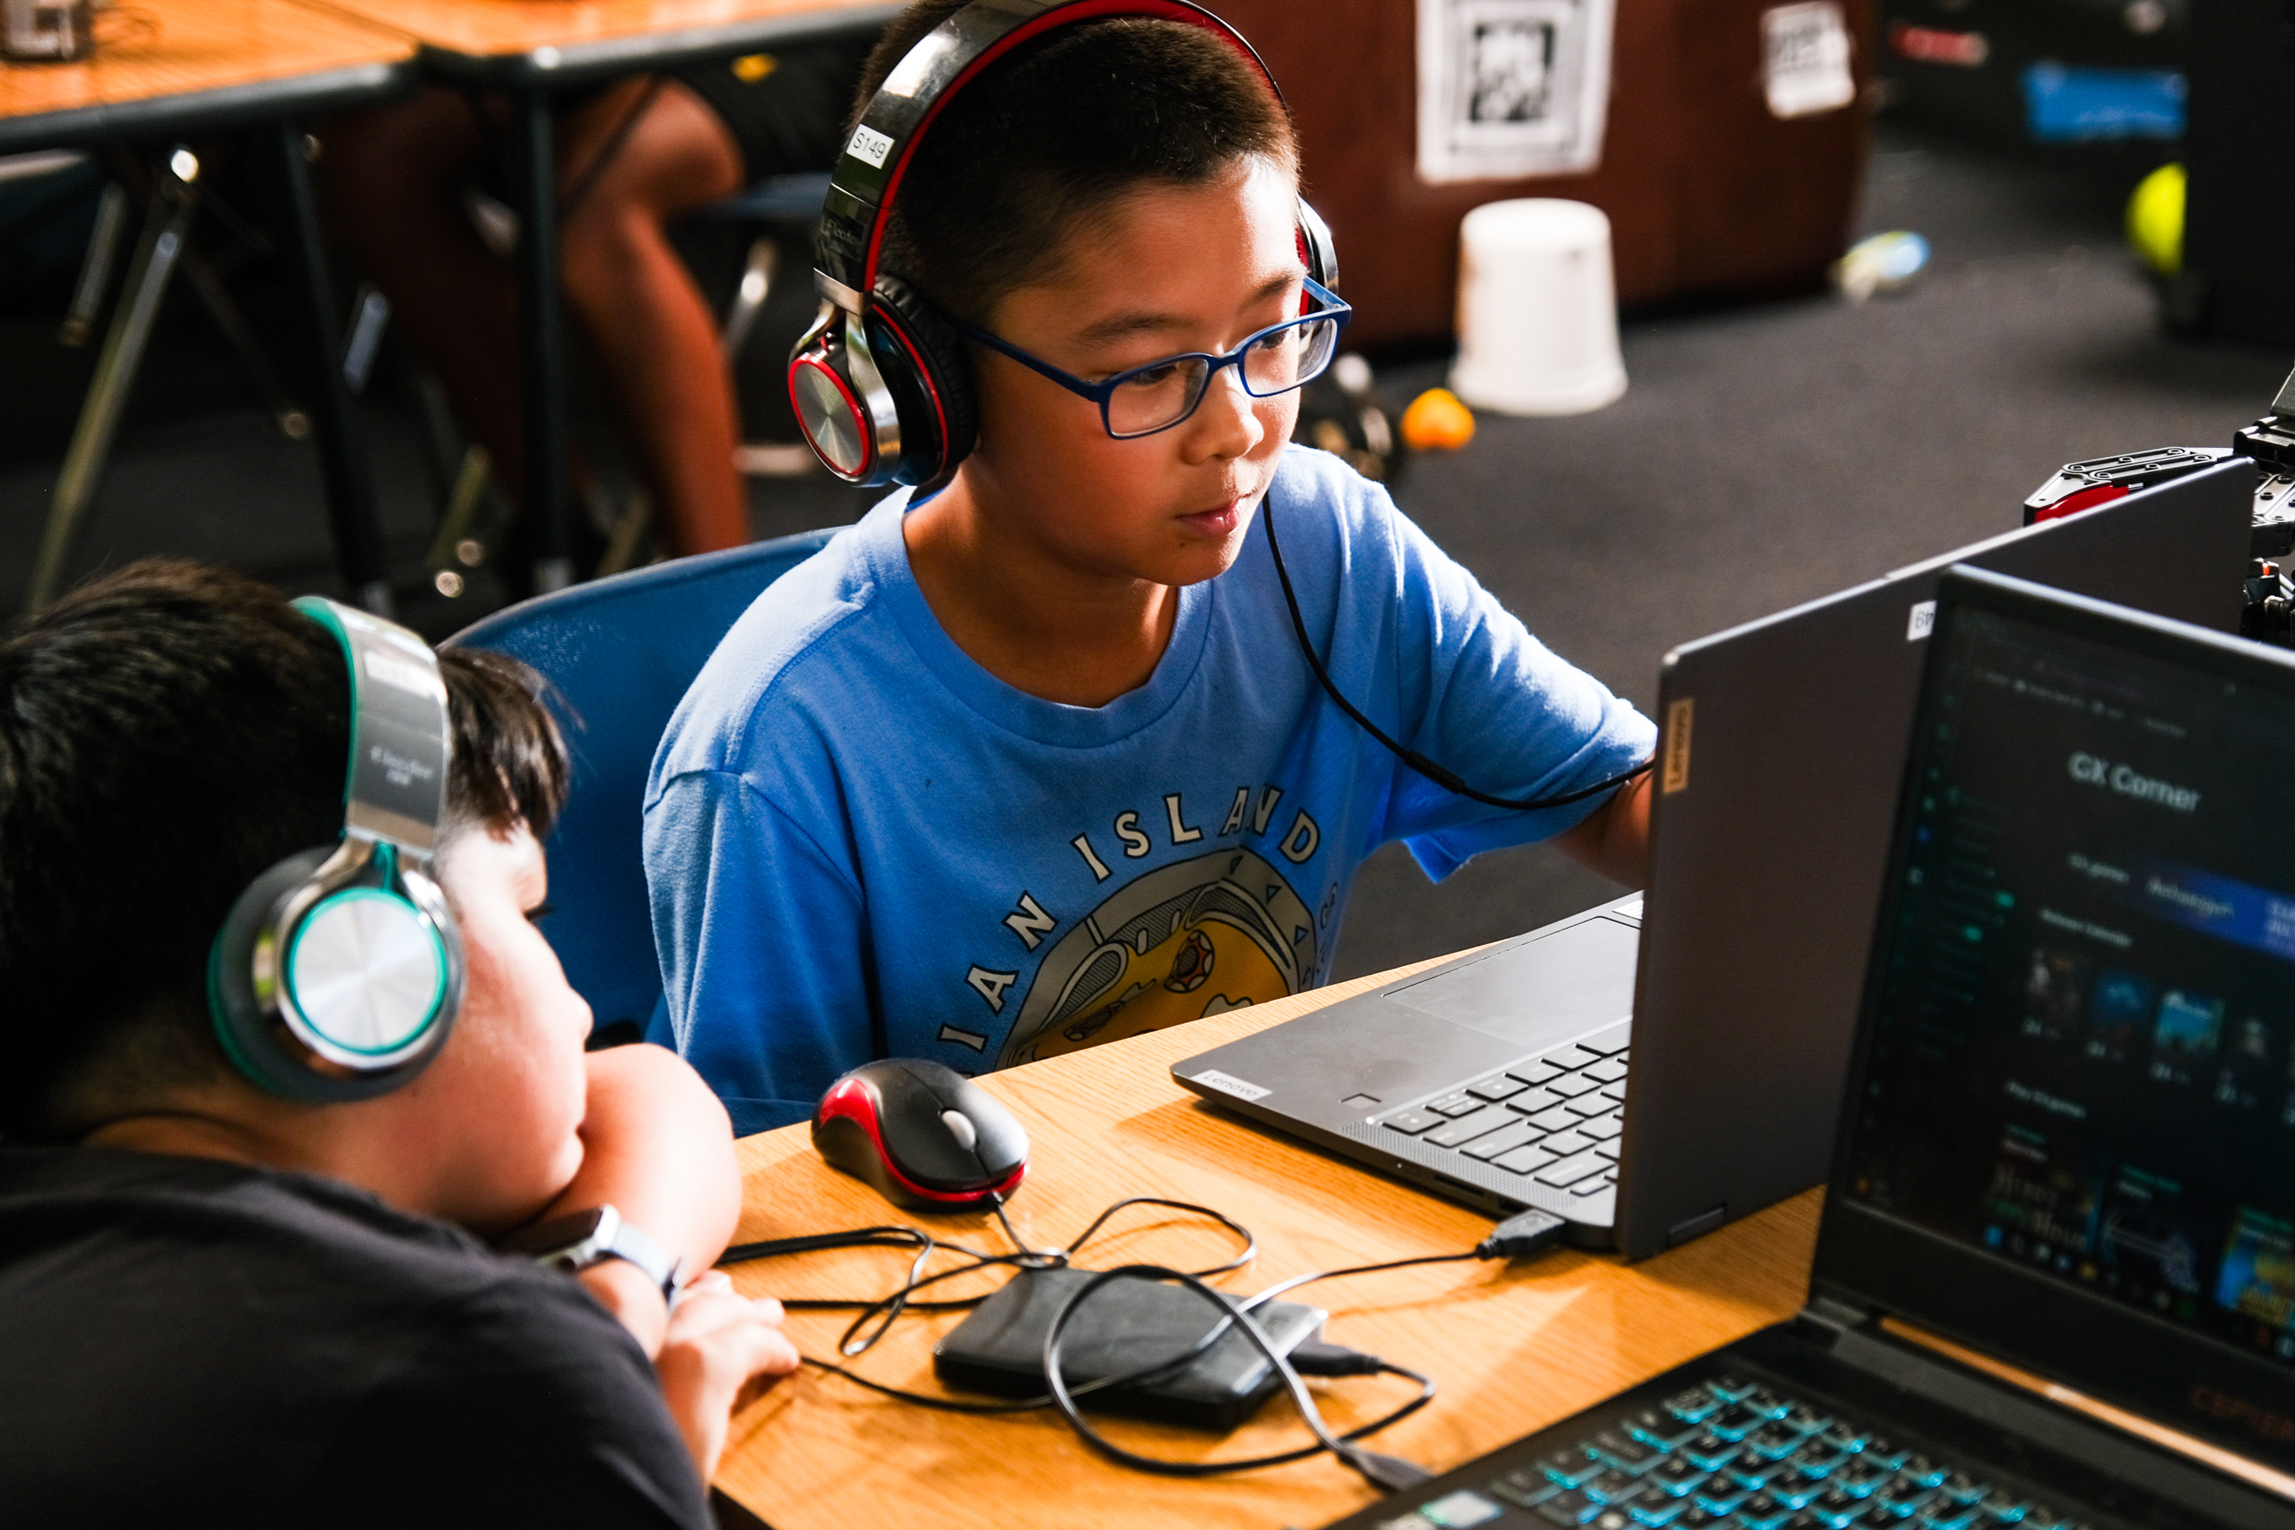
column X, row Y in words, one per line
column 1554, row 1120
column 1732, row 1455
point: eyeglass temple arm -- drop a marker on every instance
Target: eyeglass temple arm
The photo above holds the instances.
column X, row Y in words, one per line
column 1068, row 380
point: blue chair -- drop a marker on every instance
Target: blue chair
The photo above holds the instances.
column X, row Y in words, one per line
column 622, row 652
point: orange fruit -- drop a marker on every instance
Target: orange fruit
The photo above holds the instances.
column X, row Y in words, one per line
column 1437, row 422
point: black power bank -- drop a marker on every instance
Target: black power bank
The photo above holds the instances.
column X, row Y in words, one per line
column 1126, row 1325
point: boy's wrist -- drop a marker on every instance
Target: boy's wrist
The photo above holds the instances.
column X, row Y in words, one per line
column 631, row 1299
column 579, row 1240
column 629, row 1274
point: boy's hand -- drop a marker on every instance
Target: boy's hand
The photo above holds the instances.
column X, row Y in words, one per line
column 721, row 1352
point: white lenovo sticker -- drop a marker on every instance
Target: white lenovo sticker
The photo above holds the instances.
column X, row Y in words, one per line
column 1922, row 619
column 869, row 145
column 1226, row 1084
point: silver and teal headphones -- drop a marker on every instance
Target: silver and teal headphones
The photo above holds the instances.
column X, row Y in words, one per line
column 339, row 971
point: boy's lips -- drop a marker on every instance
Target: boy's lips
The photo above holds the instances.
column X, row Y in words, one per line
column 1219, row 519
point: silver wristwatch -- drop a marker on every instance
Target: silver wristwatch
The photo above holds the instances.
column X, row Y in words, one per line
column 581, row 1239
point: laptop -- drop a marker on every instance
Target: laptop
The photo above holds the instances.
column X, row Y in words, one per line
column 2071, row 1147
column 1500, row 1079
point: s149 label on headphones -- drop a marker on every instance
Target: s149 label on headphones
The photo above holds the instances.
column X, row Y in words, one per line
column 869, row 146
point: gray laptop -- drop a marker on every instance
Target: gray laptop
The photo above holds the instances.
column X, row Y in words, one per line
column 1500, row 1079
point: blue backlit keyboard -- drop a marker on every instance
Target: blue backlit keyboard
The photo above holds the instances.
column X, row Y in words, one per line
column 1728, row 1454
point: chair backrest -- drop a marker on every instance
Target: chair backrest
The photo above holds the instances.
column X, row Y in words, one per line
column 621, row 653
column 775, row 199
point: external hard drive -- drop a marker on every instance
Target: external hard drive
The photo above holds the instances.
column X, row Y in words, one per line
column 1126, row 1325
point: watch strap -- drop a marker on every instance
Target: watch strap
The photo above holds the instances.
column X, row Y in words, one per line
column 627, row 1243
column 584, row 1239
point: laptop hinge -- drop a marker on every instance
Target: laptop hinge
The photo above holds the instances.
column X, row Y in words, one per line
column 1837, row 1316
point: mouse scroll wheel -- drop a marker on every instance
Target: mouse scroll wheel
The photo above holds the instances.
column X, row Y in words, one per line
column 960, row 1127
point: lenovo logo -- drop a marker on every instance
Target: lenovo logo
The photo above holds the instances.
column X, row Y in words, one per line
column 2252, row 1416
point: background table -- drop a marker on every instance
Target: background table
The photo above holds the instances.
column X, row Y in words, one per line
column 501, row 40
column 167, row 69
column 1514, row 1347
column 177, row 66
column 532, row 49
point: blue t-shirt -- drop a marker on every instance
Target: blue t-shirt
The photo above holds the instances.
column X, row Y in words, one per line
column 862, row 844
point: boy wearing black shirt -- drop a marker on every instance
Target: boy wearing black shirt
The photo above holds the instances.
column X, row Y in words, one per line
column 220, row 1300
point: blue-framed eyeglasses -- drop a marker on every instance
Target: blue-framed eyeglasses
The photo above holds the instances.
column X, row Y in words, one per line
column 1140, row 401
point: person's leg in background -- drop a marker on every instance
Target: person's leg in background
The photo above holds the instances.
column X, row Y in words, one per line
column 632, row 159
column 398, row 174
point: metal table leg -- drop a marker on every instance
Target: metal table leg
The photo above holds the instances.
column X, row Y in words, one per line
column 172, row 204
column 351, row 513
column 96, row 270
column 542, row 347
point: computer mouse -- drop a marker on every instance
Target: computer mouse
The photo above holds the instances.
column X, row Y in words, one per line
column 925, row 1136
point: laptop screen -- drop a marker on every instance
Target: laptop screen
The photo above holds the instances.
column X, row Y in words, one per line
column 2082, row 1055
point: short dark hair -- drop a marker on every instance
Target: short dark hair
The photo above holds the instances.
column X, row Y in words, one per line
column 167, row 733
column 1048, row 137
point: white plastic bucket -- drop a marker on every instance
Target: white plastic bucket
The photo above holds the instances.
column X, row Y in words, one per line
column 1537, row 309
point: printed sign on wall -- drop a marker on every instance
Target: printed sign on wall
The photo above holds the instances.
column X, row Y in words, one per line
column 1805, row 59
column 1511, row 88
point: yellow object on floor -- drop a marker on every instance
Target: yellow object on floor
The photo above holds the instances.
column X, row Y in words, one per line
column 2155, row 219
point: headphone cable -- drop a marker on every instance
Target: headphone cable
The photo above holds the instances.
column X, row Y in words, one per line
column 1449, row 780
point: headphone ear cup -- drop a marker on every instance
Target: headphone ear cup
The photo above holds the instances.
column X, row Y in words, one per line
column 1318, row 251
column 250, row 1035
column 924, row 363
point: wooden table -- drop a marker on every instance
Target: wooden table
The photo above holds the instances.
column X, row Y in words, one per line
column 177, row 66
column 531, row 49
column 167, row 69
column 1514, row 1347
column 499, row 40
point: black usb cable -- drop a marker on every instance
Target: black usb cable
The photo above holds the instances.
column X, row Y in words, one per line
column 1521, row 1236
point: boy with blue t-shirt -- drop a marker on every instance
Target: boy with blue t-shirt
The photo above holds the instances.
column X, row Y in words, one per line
column 1035, row 761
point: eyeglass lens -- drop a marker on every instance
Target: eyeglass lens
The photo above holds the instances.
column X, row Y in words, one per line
column 1164, row 395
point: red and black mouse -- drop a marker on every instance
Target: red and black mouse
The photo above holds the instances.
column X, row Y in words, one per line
column 925, row 1136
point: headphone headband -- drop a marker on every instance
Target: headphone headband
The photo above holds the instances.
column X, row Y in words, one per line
column 395, row 792
column 869, row 172
column 880, row 383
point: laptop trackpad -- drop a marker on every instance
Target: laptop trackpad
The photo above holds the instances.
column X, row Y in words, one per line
column 1569, row 981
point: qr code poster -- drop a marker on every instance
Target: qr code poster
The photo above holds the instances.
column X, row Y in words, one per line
column 1805, row 59
column 1511, row 88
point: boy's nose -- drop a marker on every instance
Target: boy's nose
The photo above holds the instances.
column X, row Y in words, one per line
column 1226, row 422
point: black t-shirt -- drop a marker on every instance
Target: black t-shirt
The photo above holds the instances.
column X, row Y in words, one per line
column 188, row 1341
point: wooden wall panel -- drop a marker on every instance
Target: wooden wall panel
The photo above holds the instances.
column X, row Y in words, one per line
column 1708, row 195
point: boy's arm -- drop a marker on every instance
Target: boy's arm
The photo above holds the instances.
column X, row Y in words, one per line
column 1484, row 697
column 657, row 1147
column 1615, row 839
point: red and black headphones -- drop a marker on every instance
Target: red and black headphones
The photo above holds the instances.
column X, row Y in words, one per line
column 880, row 383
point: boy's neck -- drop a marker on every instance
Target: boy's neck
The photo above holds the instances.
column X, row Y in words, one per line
column 1033, row 620
column 230, row 1122
column 198, row 1134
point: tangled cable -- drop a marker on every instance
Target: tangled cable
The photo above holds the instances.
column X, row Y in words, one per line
column 876, row 1316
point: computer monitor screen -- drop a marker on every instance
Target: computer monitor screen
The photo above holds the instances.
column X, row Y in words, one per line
column 2083, row 1054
